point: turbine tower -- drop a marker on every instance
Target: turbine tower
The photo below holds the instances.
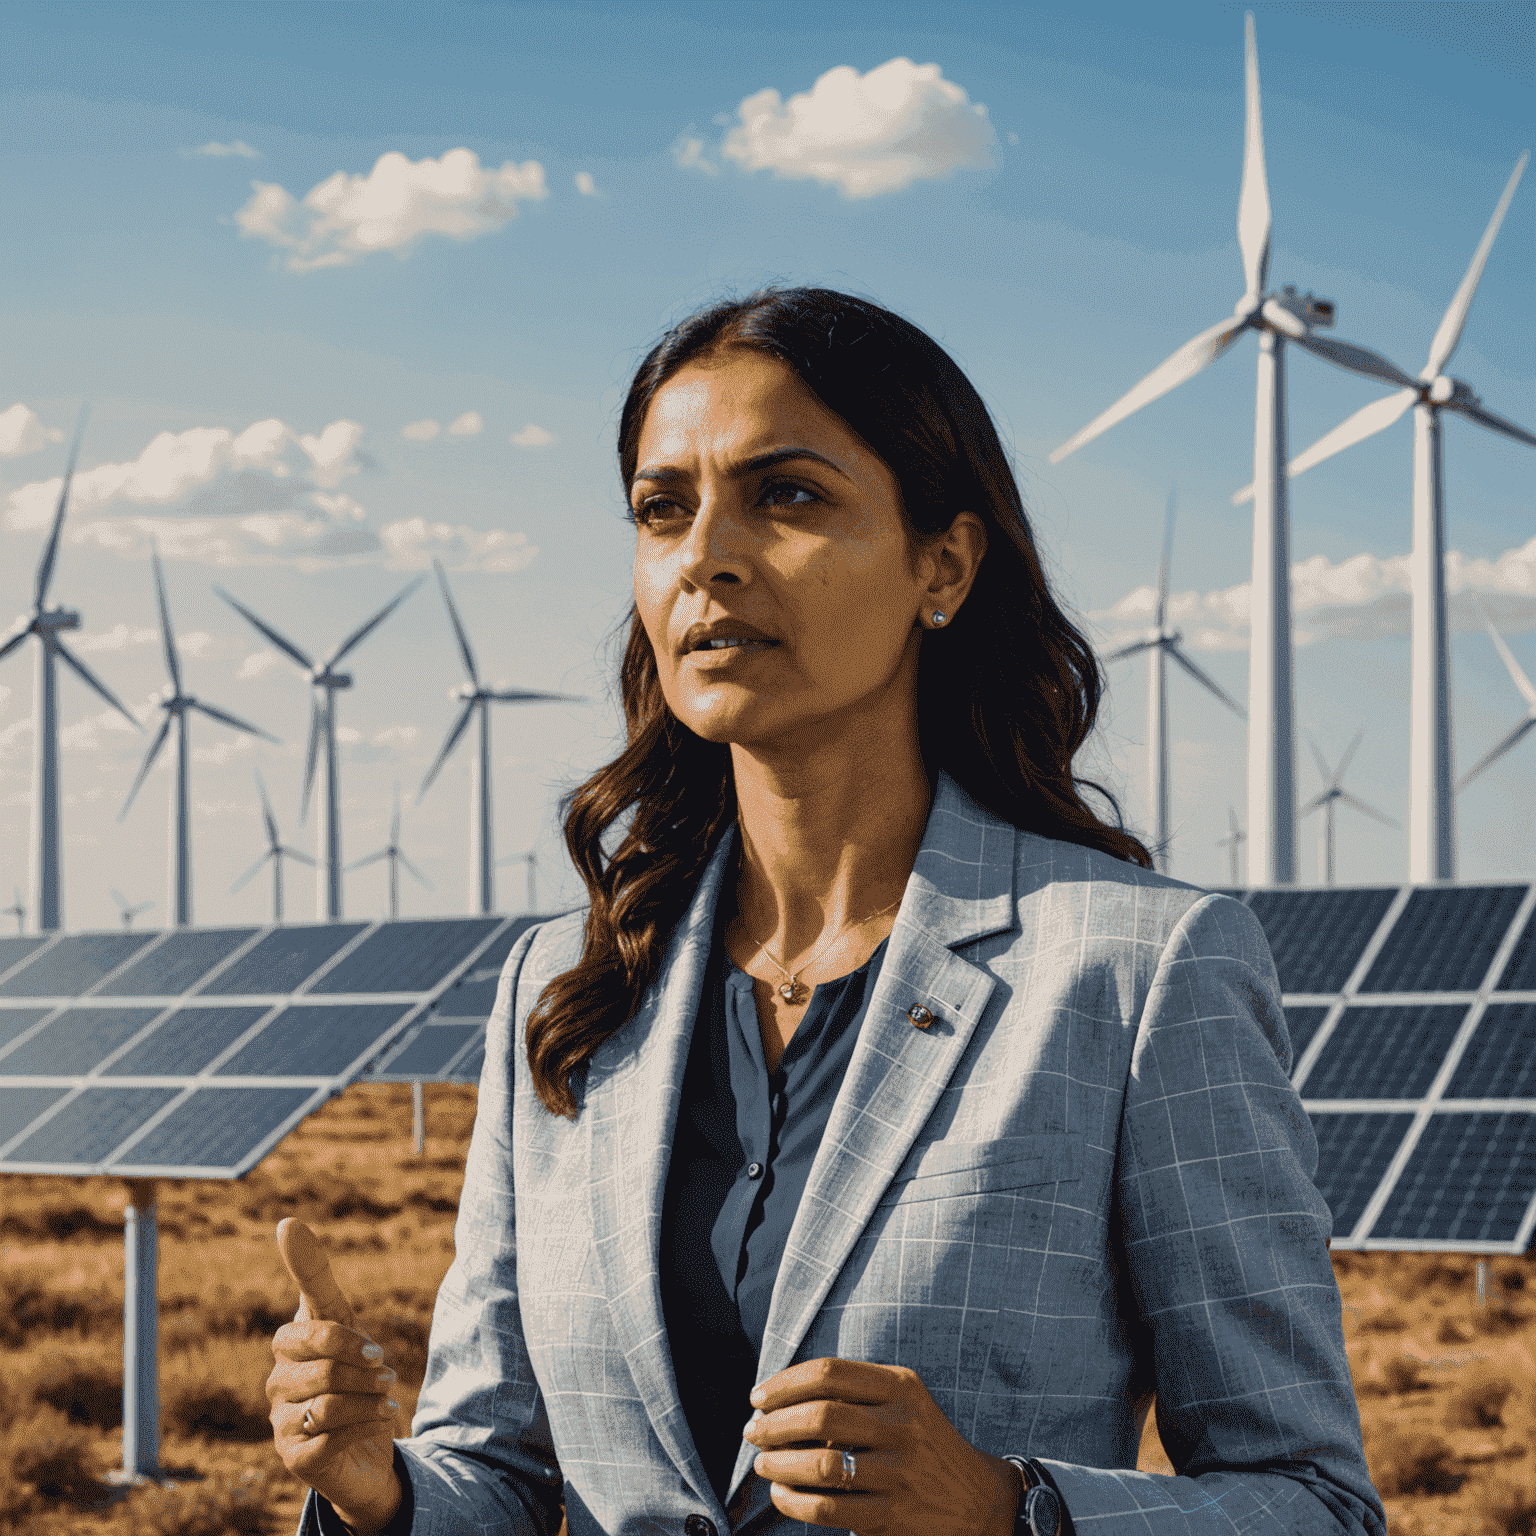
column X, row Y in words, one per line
column 178, row 705
column 324, row 681
column 1328, row 800
column 1431, row 805
column 477, row 697
column 1233, row 843
column 1162, row 643
column 1277, row 318
column 1526, row 691
column 396, row 856
column 127, row 908
column 277, row 851
column 531, row 859
column 47, row 624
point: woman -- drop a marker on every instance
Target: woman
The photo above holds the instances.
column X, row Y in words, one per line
column 883, row 1117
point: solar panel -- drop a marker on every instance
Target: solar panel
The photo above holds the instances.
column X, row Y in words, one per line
column 1520, row 974
column 407, row 956
column 305, row 1041
column 1353, row 1151
column 430, row 1052
column 181, row 960
column 469, row 1068
column 16, row 949
column 184, row 1042
column 282, row 960
column 73, row 1042
column 1302, row 1023
column 1500, row 1059
column 19, row 1107
column 1445, row 939
column 16, row 1021
column 1384, row 1053
column 72, row 964
column 214, row 1129
column 1317, row 937
column 88, row 1127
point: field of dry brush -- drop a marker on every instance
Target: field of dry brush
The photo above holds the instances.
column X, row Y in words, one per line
column 1447, row 1390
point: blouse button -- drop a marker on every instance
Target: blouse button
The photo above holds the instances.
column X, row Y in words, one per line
column 698, row 1525
column 754, row 1170
column 920, row 1016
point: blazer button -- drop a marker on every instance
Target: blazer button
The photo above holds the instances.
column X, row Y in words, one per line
column 920, row 1016
column 698, row 1525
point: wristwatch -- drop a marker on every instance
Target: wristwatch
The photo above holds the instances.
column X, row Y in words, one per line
column 1039, row 1508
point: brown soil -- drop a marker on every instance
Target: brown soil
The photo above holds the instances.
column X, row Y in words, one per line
column 1447, row 1391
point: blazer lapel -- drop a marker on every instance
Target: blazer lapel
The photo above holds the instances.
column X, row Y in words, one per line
column 634, row 1084
column 960, row 889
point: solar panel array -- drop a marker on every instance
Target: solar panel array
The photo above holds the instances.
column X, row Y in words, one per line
column 1412, row 1014
column 190, row 1053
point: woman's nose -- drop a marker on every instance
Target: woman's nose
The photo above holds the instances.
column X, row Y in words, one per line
column 714, row 550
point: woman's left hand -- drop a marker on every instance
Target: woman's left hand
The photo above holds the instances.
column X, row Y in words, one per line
column 914, row 1473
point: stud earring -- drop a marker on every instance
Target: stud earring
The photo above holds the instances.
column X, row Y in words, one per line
column 939, row 617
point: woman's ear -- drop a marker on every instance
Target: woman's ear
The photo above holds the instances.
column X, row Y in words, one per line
column 953, row 558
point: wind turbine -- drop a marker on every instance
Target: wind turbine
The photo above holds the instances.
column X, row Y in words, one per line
column 1333, row 792
column 17, row 911
column 1431, row 807
column 277, row 851
column 531, row 859
column 1277, row 318
column 1160, row 643
column 127, row 908
column 47, row 624
column 324, row 681
column 477, row 697
column 178, row 705
column 396, row 856
column 1527, row 692
column 1232, row 842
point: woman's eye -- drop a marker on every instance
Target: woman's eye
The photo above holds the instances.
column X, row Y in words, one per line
column 782, row 494
column 655, row 509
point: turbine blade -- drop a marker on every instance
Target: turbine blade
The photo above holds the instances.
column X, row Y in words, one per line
column 1496, row 423
column 51, row 551
column 147, row 764
column 1324, row 771
column 266, row 813
column 1133, row 649
column 459, row 727
column 1367, row 421
column 415, row 873
column 1349, row 756
column 1514, row 738
column 251, row 873
column 311, row 752
column 1507, row 656
column 372, row 858
column 362, row 632
column 225, row 718
column 287, row 647
column 394, row 820
column 1207, row 682
column 167, row 636
column 86, row 675
column 1345, row 354
column 1233, row 824
column 523, row 696
column 15, row 640
column 1313, row 804
column 458, row 627
column 1368, row 810
column 117, row 896
column 297, row 853
column 1253, row 219
column 1162, row 578
column 1449, row 334
column 1194, row 355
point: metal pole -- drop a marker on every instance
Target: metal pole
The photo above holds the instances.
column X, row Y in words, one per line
column 1157, row 752
column 277, row 887
column 417, row 1118
column 1431, row 804
column 1328, row 811
column 328, row 873
column 141, row 1333
column 1482, row 1284
column 533, row 889
column 181, row 830
column 482, row 888
column 47, row 892
column 1271, row 691
column 394, row 882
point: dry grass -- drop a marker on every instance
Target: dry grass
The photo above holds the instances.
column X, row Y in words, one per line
column 1447, row 1391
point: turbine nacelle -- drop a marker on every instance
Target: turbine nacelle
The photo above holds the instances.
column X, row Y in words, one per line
column 331, row 679
column 1444, row 390
column 465, row 692
column 55, row 619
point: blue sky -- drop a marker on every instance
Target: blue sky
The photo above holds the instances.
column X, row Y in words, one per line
column 1060, row 244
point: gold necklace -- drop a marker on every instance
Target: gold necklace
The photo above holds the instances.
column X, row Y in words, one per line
column 789, row 988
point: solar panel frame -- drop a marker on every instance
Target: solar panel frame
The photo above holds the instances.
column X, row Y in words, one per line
column 25, row 975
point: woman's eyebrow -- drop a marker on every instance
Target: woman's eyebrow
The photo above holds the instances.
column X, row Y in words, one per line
column 662, row 473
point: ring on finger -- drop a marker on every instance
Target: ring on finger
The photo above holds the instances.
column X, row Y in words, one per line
column 309, row 1422
column 850, row 1469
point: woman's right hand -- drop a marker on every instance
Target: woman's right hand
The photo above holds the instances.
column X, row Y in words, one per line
column 327, row 1366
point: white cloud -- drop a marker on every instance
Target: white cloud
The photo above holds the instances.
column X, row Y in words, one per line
column 1361, row 598
column 232, row 745
column 5, row 694
column 470, row 424
column 533, row 437
column 689, row 153
column 421, row 431
column 585, row 185
column 118, row 638
column 863, row 134
column 257, row 664
column 195, row 644
column 22, row 432
column 85, row 735
column 240, row 149
column 345, row 218
column 396, row 736
column 348, row 735
column 412, row 544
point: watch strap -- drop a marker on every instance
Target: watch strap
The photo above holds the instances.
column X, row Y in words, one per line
column 1040, row 1511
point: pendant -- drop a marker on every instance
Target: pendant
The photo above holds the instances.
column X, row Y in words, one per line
column 787, row 991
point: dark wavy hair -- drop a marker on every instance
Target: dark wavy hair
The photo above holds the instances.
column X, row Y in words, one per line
column 1006, row 694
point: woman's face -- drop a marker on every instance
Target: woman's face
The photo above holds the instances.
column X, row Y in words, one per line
column 773, row 572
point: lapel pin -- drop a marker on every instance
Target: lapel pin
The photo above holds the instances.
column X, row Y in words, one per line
column 920, row 1016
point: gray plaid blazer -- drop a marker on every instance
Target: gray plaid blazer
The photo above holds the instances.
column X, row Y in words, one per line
column 1087, row 1182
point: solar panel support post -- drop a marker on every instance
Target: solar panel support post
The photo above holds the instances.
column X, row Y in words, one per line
column 1482, row 1284
column 141, row 1333
column 417, row 1122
